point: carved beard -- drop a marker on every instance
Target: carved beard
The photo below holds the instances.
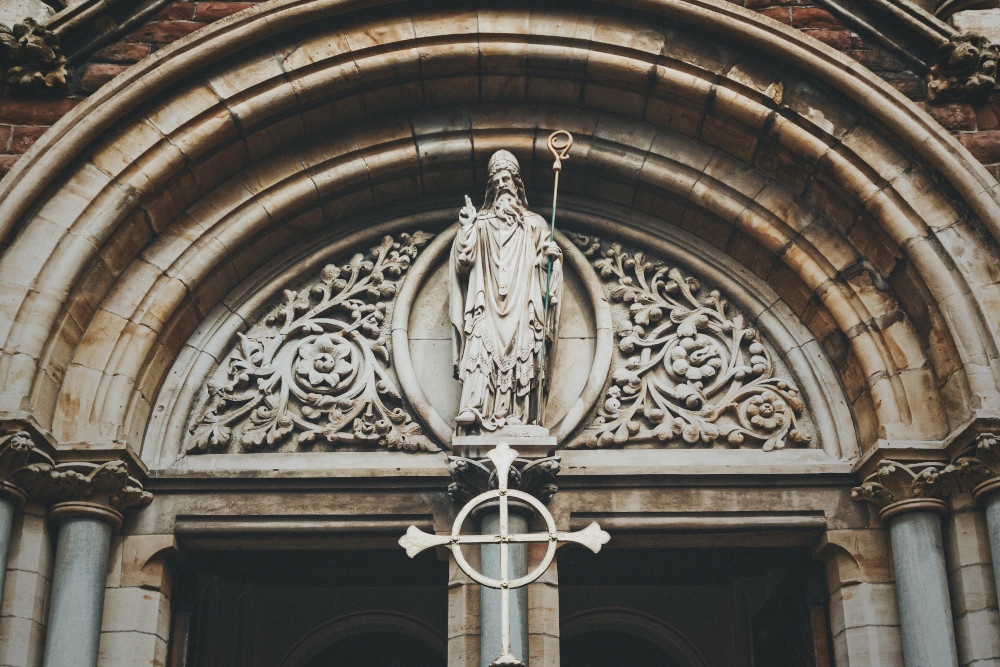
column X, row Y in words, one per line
column 507, row 207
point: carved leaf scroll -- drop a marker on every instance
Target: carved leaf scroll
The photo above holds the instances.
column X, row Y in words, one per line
column 317, row 370
column 692, row 371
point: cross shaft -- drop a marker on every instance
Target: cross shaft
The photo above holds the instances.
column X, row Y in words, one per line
column 502, row 456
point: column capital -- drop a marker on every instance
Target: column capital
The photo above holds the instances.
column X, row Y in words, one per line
column 84, row 488
column 978, row 465
column 22, row 459
column 470, row 477
column 895, row 487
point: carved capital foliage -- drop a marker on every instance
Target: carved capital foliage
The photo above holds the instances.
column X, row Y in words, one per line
column 20, row 462
column 30, row 58
column 965, row 69
column 315, row 372
column 978, row 466
column 692, row 371
column 470, row 477
column 103, row 489
column 895, row 487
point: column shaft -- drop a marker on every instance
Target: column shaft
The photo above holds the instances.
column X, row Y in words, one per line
column 6, row 530
column 922, row 590
column 76, row 604
column 491, row 615
column 993, row 528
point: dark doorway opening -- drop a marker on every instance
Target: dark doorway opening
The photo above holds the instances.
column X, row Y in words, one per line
column 310, row 608
column 377, row 649
column 740, row 607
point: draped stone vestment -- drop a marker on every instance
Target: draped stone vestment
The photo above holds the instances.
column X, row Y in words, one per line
column 497, row 308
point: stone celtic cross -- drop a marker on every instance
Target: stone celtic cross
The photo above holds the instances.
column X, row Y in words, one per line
column 502, row 457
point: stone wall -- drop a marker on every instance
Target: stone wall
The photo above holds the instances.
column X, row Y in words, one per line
column 26, row 589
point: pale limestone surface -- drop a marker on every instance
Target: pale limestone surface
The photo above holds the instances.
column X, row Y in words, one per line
column 985, row 22
column 15, row 11
column 24, row 611
column 124, row 284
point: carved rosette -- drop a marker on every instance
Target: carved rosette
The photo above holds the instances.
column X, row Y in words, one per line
column 21, row 461
column 897, row 487
column 966, row 69
column 101, row 490
column 316, row 369
column 978, row 465
column 471, row 477
column 30, row 56
column 691, row 370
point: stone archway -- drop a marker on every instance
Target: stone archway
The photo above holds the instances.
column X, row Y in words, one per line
column 337, row 638
column 232, row 151
column 622, row 625
column 137, row 224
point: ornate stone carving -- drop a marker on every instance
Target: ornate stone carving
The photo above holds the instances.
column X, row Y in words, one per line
column 20, row 462
column 978, row 465
column 693, row 371
column 471, row 477
column 104, row 490
column 897, row 487
column 506, row 280
column 966, row 69
column 316, row 367
column 30, row 57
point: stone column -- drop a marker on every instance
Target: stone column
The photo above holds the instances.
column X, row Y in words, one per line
column 20, row 461
column 470, row 478
column 979, row 466
column 974, row 550
column 909, row 499
column 87, row 501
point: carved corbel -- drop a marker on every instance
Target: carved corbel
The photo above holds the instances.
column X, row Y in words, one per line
column 21, row 462
column 470, row 477
column 897, row 487
column 101, row 490
column 966, row 69
column 978, row 465
column 30, row 58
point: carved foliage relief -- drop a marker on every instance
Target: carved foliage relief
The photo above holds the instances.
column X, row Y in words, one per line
column 691, row 372
column 315, row 372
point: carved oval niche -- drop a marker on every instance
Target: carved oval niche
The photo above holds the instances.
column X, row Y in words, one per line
column 422, row 343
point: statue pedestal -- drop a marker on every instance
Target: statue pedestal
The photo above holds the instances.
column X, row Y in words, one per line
column 530, row 442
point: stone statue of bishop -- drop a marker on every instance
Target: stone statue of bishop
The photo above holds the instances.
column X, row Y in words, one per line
column 501, row 268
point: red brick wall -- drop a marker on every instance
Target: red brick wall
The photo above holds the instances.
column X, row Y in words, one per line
column 23, row 120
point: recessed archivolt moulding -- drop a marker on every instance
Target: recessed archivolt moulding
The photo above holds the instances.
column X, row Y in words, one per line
column 278, row 334
column 124, row 223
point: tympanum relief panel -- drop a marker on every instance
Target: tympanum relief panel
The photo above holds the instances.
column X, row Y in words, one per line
column 315, row 372
column 330, row 367
column 690, row 369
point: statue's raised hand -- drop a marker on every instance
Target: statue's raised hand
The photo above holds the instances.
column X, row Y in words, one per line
column 467, row 215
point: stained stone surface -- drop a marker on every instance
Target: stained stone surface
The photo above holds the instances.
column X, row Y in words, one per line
column 15, row 11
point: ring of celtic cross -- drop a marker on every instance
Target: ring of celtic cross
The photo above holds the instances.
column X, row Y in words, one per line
column 503, row 495
column 502, row 456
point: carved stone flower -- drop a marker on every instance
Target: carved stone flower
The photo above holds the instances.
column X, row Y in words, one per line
column 325, row 361
column 767, row 411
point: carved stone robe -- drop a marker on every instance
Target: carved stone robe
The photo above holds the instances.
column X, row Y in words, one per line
column 497, row 309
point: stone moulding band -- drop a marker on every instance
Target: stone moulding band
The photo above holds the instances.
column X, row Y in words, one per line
column 986, row 488
column 82, row 508
column 935, row 505
column 13, row 493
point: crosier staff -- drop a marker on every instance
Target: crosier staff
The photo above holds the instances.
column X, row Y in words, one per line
column 559, row 144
